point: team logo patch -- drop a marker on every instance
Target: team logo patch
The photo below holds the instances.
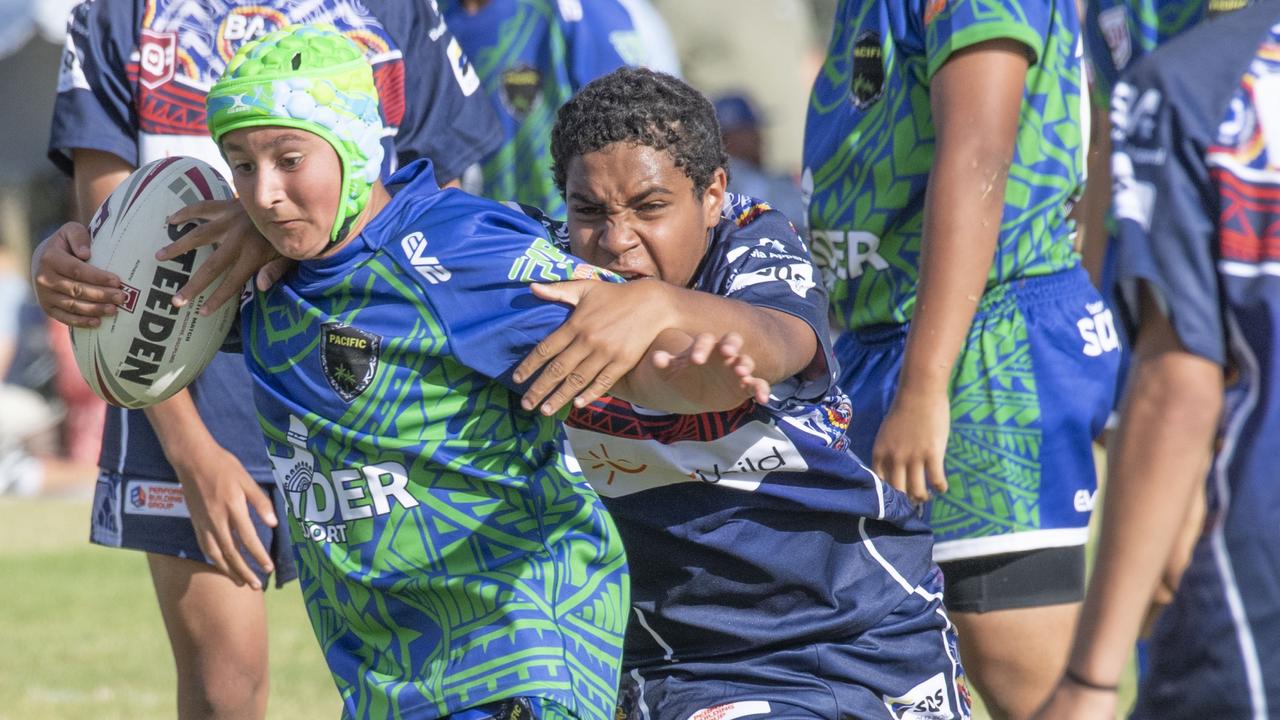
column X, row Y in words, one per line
column 521, row 90
column 866, row 82
column 349, row 358
column 157, row 56
column 515, row 709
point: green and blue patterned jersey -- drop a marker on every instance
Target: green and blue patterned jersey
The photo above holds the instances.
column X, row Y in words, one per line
column 870, row 142
column 532, row 56
column 1118, row 32
column 448, row 558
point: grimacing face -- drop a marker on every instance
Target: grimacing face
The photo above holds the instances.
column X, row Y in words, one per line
column 632, row 211
column 289, row 182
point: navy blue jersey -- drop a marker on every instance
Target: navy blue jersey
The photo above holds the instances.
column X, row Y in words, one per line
column 133, row 82
column 755, row 528
column 1197, row 176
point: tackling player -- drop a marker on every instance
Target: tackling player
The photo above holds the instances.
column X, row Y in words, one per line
column 772, row 574
column 943, row 152
column 131, row 91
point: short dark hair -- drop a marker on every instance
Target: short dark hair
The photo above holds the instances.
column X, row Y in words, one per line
column 646, row 108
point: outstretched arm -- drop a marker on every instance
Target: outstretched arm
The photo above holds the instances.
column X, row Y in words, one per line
column 976, row 97
column 614, row 327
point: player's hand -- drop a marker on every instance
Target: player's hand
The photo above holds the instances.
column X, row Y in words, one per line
column 1070, row 701
column 68, row 288
column 725, row 370
column 240, row 251
column 912, row 442
column 219, row 493
column 608, row 333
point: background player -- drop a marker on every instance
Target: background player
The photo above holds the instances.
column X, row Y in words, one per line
column 943, row 151
column 1195, row 208
column 532, row 56
column 132, row 90
column 772, row 574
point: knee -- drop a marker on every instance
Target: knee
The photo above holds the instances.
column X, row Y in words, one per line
column 222, row 689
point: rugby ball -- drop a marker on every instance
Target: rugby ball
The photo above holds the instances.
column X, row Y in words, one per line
column 150, row 349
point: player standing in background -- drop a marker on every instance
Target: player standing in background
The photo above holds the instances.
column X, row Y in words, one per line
column 1197, row 179
column 772, row 574
column 1116, row 34
column 132, row 90
column 943, row 152
column 532, row 56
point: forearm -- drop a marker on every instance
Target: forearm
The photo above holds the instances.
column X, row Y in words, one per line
column 684, row 390
column 975, row 98
column 180, row 429
column 782, row 345
column 1165, row 434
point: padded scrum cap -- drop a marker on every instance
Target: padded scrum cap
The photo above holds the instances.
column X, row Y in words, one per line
column 313, row 78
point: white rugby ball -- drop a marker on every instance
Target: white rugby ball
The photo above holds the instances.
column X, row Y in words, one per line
column 150, row 349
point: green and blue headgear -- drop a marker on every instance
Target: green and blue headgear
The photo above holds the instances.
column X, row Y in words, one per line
column 312, row 78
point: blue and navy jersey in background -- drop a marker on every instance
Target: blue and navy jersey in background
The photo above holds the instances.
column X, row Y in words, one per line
column 447, row 555
column 1197, row 206
column 133, row 82
column 1118, row 32
column 754, row 529
column 532, row 56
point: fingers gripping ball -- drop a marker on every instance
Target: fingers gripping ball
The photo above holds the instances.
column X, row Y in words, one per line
column 315, row 79
column 150, row 349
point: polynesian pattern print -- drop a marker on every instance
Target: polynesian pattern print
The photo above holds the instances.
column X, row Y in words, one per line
column 869, row 146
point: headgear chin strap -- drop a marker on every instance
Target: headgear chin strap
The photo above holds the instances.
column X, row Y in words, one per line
column 309, row 77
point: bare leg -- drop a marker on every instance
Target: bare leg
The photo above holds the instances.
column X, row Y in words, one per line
column 1015, row 657
column 218, row 633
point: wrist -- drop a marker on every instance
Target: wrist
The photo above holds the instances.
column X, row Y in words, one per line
column 1075, row 678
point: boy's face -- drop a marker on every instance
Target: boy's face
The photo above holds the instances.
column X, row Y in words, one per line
column 289, row 182
column 631, row 210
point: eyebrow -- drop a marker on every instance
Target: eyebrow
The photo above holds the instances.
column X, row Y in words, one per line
column 278, row 140
column 634, row 199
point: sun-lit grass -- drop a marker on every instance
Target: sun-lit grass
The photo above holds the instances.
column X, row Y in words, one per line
column 83, row 637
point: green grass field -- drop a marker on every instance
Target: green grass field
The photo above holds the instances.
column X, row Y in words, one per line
column 83, row 639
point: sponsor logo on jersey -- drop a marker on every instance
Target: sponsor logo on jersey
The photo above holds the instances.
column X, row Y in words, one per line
column 152, row 498
column 349, row 358
column 730, row 711
column 520, row 90
column 324, row 505
column 740, row 460
column 463, row 72
column 797, row 276
column 845, row 255
column 429, row 267
column 106, row 512
column 1114, row 23
column 157, row 57
column 1083, row 500
column 71, row 71
column 866, row 81
column 927, row 701
column 1098, row 330
column 243, row 24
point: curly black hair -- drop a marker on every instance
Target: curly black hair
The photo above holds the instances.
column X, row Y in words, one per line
column 646, row 108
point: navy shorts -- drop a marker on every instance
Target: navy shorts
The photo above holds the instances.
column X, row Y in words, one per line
column 906, row 666
column 1032, row 387
column 151, row 516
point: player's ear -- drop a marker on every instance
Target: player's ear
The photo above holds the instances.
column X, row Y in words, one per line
column 713, row 198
